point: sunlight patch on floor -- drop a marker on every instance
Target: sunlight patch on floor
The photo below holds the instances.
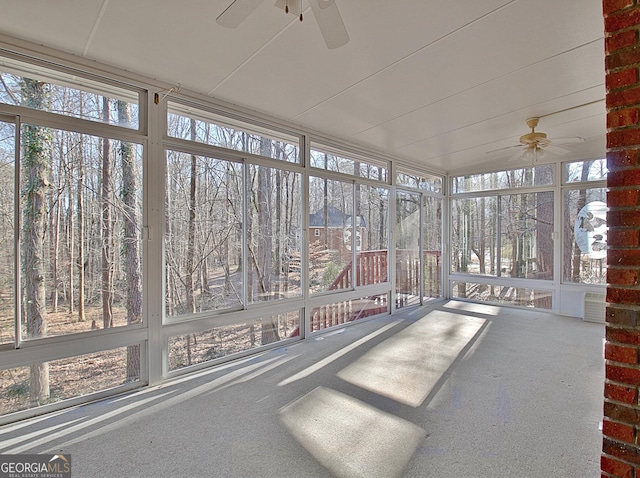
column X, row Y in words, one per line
column 335, row 356
column 349, row 437
column 485, row 309
column 407, row 366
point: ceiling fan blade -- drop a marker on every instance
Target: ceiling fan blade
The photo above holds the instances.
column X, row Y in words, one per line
column 556, row 149
column 518, row 156
column 571, row 140
column 330, row 22
column 504, row 148
column 237, row 12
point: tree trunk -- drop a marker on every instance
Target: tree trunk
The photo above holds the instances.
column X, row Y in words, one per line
column 582, row 201
column 264, row 263
column 191, row 234
column 107, row 233
column 35, row 186
column 71, row 236
column 55, row 244
column 191, row 239
column 130, row 246
column 81, row 259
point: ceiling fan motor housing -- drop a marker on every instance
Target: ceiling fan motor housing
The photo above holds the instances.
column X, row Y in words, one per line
column 534, row 138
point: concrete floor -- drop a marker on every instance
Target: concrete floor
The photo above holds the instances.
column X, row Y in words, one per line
column 447, row 390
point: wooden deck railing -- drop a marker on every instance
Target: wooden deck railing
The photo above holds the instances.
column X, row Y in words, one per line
column 372, row 268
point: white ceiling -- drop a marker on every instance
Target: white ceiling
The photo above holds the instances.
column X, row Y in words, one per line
column 438, row 83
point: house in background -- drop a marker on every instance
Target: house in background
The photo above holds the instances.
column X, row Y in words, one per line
column 335, row 229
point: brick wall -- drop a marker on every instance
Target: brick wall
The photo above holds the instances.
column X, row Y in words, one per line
column 621, row 423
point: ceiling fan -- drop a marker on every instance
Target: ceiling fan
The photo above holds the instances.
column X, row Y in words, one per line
column 534, row 145
column 325, row 11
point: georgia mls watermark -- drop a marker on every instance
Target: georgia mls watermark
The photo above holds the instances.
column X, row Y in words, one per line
column 35, row 466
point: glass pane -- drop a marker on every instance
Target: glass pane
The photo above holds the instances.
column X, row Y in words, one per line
column 66, row 94
column 432, row 244
column 7, row 229
column 525, row 297
column 515, row 178
column 330, row 234
column 591, row 170
column 203, row 236
column 322, row 158
column 426, row 183
column 273, row 234
column 339, row 313
column 407, row 249
column 81, row 248
column 474, row 225
column 527, row 235
column 226, row 340
column 49, row 382
column 217, row 130
column 371, row 241
column 584, row 257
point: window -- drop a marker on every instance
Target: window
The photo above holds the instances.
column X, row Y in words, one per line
column 323, row 157
column 503, row 234
column 203, row 239
column 585, row 218
column 423, row 182
column 407, row 264
column 80, row 207
column 514, row 178
column 67, row 94
column 213, row 129
column 501, row 294
column 338, row 313
column 70, row 377
column 432, row 246
column 225, row 340
column 273, row 234
column 331, row 211
column 206, row 225
column 371, row 234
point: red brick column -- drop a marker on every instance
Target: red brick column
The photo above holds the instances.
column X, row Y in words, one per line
column 621, row 424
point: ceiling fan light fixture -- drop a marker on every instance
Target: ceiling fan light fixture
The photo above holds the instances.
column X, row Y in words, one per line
column 529, row 155
column 533, row 154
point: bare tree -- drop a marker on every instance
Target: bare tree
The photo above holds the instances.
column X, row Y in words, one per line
column 80, row 261
column 35, row 187
column 107, row 233
column 263, row 262
column 130, row 240
column 191, row 239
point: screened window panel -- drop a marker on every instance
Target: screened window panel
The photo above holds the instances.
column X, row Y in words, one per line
column 7, row 232
column 323, row 158
column 432, row 246
column 330, row 252
column 515, row 178
column 274, row 239
column 526, row 231
column 408, row 261
column 228, row 340
column 81, row 241
column 371, row 230
column 203, row 236
column 67, row 94
column 584, row 255
column 581, row 171
column 216, row 130
column 474, row 246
